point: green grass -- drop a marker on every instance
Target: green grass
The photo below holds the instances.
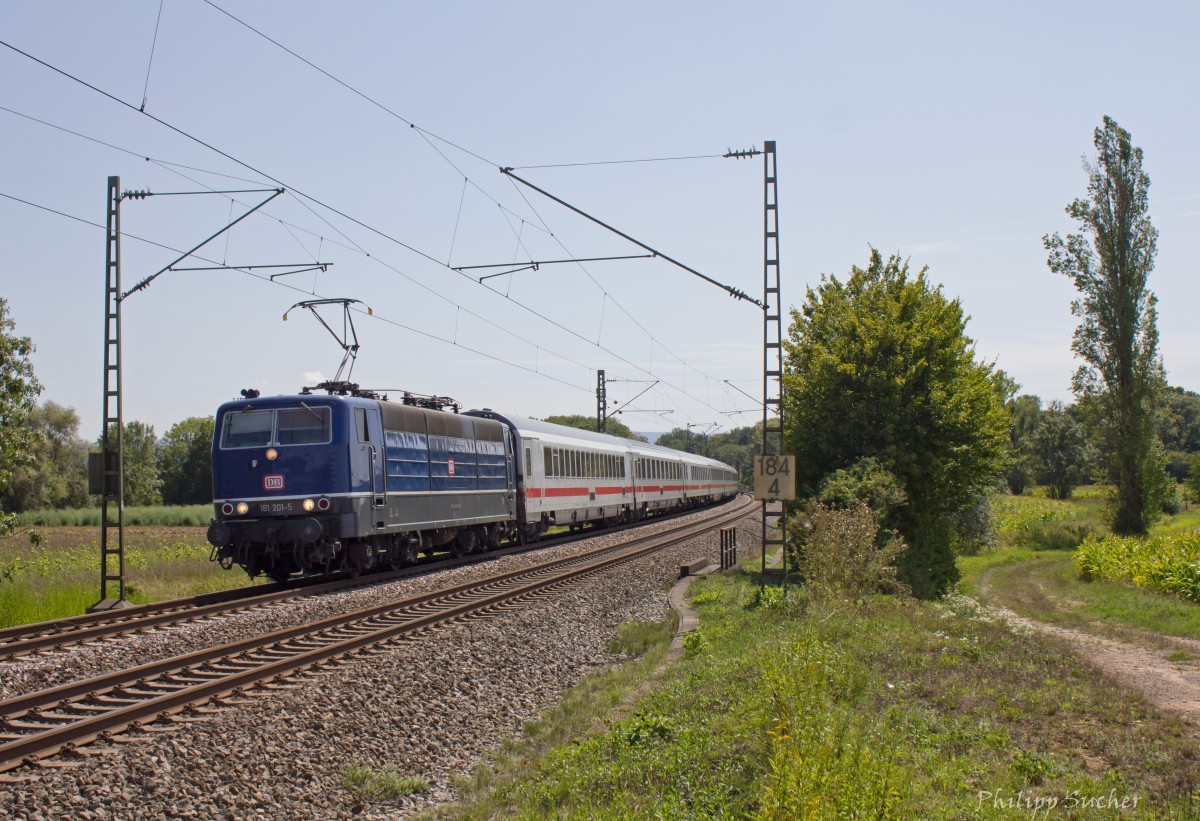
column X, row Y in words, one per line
column 1045, row 585
column 60, row 576
column 149, row 516
column 1029, row 575
column 786, row 708
column 370, row 784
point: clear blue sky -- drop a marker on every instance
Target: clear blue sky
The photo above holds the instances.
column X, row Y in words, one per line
column 950, row 132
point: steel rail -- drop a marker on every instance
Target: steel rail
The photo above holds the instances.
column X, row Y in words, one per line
column 56, row 634
column 195, row 678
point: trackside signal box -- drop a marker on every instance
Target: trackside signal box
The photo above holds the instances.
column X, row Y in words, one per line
column 774, row 478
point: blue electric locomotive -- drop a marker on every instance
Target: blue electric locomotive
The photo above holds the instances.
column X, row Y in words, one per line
column 318, row 484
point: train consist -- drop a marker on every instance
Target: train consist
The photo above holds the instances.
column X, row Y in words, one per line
column 350, row 482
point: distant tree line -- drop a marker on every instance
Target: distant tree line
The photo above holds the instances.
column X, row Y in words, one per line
column 173, row 470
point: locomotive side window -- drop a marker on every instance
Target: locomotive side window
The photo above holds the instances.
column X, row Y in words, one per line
column 360, row 424
column 248, row 429
column 303, row 426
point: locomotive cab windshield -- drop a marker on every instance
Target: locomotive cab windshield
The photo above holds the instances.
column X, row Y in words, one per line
column 254, row 428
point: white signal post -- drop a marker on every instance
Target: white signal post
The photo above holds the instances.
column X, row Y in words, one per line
column 775, row 478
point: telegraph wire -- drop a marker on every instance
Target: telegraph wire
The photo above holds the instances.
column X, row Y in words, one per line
column 454, row 237
column 347, row 86
column 618, row 162
column 269, row 281
column 360, row 223
column 418, row 283
column 426, row 136
column 150, row 64
column 616, row 302
column 173, row 168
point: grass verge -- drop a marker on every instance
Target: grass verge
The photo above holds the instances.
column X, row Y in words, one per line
column 60, row 576
column 1034, row 574
column 886, row 709
column 1045, row 585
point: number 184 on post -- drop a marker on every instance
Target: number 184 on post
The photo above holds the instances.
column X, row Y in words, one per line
column 775, row 478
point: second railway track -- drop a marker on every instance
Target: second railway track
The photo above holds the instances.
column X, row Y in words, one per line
column 60, row 634
column 62, row 718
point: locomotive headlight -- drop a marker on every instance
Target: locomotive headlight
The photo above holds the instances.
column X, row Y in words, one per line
column 308, row 504
column 242, row 508
column 272, row 454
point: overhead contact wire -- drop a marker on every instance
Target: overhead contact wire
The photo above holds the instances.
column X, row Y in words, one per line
column 269, row 281
column 301, row 193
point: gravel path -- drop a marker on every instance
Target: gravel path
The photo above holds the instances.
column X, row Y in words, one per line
column 426, row 708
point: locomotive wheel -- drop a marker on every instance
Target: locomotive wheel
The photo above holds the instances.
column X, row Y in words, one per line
column 463, row 544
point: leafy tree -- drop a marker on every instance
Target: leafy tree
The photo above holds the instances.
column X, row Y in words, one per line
column 880, row 366
column 184, row 461
column 1024, row 411
column 613, row 427
column 19, row 389
column 1193, row 482
column 1061, row 450
column 142, row 484
column 1178, row 426
column 866, row 481
column 1109, row 263
column 56, row 475
column 736, row 448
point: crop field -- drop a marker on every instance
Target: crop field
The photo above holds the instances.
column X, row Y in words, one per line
column 149, row 516
column 60, row 574
column 1168, row 563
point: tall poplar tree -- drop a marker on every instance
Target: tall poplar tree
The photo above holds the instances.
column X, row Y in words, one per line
column 1120, row 380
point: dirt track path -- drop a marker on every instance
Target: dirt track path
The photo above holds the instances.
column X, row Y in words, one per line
column 1169, row 685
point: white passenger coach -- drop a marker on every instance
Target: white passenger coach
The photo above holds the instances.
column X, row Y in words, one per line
column 567, row 476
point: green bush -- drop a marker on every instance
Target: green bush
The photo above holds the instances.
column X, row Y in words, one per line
column 842, row 553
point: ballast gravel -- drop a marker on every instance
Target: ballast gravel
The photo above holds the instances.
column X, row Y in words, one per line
column 427, row 707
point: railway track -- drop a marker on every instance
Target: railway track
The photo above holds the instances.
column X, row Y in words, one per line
column 157, row 695
column 61, row 634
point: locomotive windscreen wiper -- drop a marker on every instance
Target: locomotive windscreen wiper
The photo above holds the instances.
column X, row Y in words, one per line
column 316, row 415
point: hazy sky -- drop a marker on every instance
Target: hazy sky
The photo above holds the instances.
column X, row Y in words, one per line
column 952, row 133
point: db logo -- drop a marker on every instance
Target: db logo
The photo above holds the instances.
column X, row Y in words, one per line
column 273, row 481
column 451, row 467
